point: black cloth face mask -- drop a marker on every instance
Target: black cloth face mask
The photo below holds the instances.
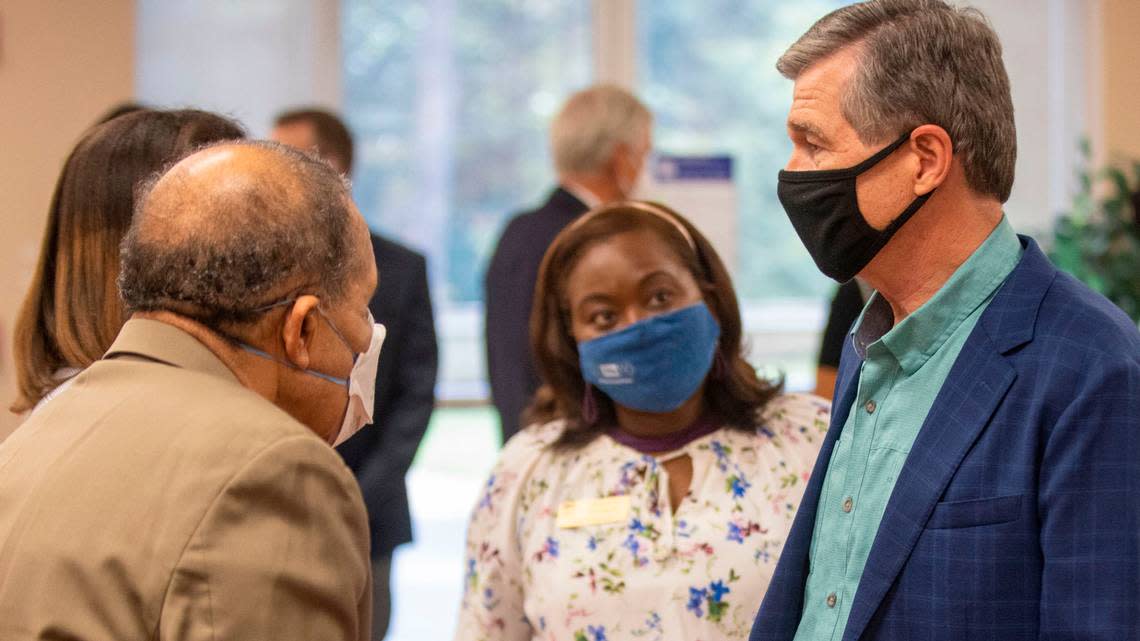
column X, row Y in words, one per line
column 824, row 210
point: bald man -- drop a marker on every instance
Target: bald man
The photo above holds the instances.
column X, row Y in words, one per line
column 184, row 486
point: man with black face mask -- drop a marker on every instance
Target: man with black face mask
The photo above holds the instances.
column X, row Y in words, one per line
column 979, row 478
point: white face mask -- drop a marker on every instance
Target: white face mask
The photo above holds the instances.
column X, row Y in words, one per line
column 361, row 381
column 361, row 385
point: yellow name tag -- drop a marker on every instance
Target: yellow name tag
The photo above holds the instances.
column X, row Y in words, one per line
column 572, row 514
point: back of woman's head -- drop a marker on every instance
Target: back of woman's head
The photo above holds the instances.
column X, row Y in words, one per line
column 72, row 311
column 734, row 393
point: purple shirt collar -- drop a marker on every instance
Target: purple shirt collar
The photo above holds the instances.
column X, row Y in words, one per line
column 658, row 444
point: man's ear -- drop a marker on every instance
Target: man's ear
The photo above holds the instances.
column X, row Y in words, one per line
column 619, row 159
column 935, row 153
column 300, row 329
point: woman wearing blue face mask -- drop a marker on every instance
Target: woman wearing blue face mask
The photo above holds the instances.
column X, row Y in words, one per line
column 652, row 493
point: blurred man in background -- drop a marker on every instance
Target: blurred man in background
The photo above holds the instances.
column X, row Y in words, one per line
column 600, row 140
column 381, row 454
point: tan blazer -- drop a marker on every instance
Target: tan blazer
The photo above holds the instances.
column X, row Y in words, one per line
column 157, row 498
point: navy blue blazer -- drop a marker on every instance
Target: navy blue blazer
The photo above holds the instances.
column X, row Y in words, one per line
column 509, row 294
column 1017, row 513
column 381, row 453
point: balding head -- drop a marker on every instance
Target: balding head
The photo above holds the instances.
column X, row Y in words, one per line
column 239, row 226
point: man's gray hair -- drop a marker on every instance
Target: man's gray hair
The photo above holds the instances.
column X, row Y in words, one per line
column 922, row 62
column 592, row 123
column 221, row 253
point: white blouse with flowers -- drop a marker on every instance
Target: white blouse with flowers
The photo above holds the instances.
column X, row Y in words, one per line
column 633, row 568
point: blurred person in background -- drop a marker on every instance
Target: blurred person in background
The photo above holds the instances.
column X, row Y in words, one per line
column 599, row 140
column 652, row 492
column 381, row 454
column 183, row 486
column 72, row 310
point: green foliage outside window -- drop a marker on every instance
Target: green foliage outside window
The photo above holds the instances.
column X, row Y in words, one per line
column 1098, row 241
column 708, row 72
column 450, row 103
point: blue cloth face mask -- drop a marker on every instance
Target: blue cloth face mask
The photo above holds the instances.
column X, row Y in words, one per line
column 656, row 364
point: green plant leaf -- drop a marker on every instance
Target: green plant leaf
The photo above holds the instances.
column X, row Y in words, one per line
column 1098, row 239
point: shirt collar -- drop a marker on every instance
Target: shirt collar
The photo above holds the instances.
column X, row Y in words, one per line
column 920, row 335
column 581, row 193
column 166, row 343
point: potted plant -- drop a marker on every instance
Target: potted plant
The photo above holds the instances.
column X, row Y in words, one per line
column 1098, row 241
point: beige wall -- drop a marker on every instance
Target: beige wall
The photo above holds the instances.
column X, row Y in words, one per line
column 62, row 63
column 1121, row 52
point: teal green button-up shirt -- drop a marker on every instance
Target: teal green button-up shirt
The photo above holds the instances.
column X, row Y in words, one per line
column 903, row 369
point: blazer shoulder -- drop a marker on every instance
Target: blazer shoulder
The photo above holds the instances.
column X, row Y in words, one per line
column 285, row 455
column 391, row 254
column 545, row 221
column 518, row 238
column 233, row 427
column 531, row 232
column 1074, row 314
column 226, row 421
column 522, row 225
column 209, row 413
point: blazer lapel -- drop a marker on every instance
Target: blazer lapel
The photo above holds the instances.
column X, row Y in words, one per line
column 974, row 388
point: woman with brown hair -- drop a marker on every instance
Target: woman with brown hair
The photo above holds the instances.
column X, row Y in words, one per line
column 652, row 493
column 72, row 310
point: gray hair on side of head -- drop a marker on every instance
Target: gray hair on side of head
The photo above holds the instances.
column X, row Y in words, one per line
column 592, row 123
column 219, row 256
column 922, row 62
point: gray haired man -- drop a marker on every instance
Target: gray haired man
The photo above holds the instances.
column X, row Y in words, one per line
column 979, row 478
column 599, row 139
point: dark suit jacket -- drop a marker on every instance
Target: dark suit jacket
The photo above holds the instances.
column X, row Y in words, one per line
column 1017, row 513
column 510, row 282
column 381, row 453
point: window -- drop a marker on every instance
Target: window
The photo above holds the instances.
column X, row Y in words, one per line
column 709, row 76
column 450, row 103
column 708, row 73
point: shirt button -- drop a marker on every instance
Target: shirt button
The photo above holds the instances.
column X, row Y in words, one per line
column 831, row 599
column 870, row 406
column 848, row 503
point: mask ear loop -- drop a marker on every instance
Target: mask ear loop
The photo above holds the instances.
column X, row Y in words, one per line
column 845, row 173
column 336, row 330
column 589, row 407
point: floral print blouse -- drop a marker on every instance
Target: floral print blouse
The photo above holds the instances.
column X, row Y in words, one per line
column 624, row 564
